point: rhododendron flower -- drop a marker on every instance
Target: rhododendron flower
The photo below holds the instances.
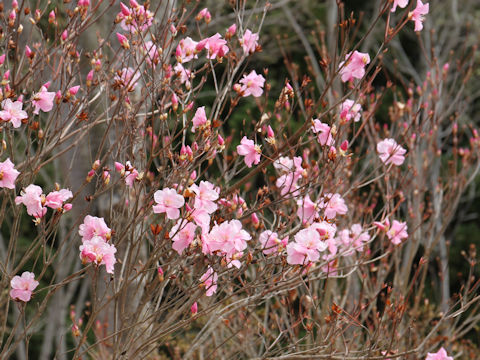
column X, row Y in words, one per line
column 199, row 119
column 94, row 227
column 209, row 280
column 324, row 133
column 202, row 219
column 417, row 15
column 324, row 229
column 43, row 100
column 251, row 151
column 390, row 152
column 401, row 3
column 153, row 56
column 333, row 204
column 229, row 238
column 306, row 247
column 249, row 42
column 252, row 84
column 12, row 111
column 184, row 74
column 205, row 196
column 183, row 235
column 354, row 66
column 271, row 242
column 215, row 45
column 307, row 210
column 8, row 174
column 283, row 163
column 439, row 355
column 98, row 251
column 169, row 202
column 128, row 78
column 350, row 110
column 22, row 286
column 353, row 239
column 130, row 174
column 288, row 182
column 32, row 198
column 397, row 232
column 55, row 199
column 186, row 50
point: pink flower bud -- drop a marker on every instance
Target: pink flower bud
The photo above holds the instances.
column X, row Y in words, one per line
column 232, row 30
column 133, row 4
column 51, row 17
column 221, row 142
column 344, row 145
column 96, row 164
column 15, row 4
column 73, row 90
column 194, row 308
column 28, row 51
column 2, row 59
column 173, row 30
column 58, row 95
column 195, row 146
column 270, row 132
column 119, row 167
column 125, row 10
column 160, row 273
column 47, row 85
column 6, row 76
column 64, row 35
column 12, row 16
column 67, row 207
column 122, row 39
column 193, row 175
column 174, row 102
column 255, row 220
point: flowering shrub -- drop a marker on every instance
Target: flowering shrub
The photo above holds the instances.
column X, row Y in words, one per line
column 309, row 230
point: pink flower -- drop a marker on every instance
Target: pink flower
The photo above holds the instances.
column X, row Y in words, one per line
column 397, row 232
column 333, row 204
column 130, row 174
column 12, row 111
column 199, row 119
column 353, row 239
column 205, row 196
column 43, row 100
column 184, row 74
column 94, row 227
column 153, row 56
column 229, row 238
column 128, row 78
column 306, row 247
column 168, row 201
column 8, row 174
column 401, row 3
column 135, row 19
column 252, row 84
column 249, row 42
column 307, row 210
column 32, row 198
column 417, row 15
column 23, row 286
column 251, row 151
column 209, row 280
column 271, row 243
column 183, row 235
column 216, row 46
column 350, row 110
column 324, row 133
column 96, row 250
column 55, row 199
column 439, row 355
column 354, row 65
column 390, row 152
column 186, row 50
column 288, row 182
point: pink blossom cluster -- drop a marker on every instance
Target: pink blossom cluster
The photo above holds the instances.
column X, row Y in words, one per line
column 36, row 202
column 291, row 171
column 135, row 18
column 95, row 246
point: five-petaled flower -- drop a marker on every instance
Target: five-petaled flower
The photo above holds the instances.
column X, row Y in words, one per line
column 354, row 66
column 169, row 202
column 12, row 112
column 23, row 286
column 251, row 151
column 8, row 174
column 252, row 84
column 390, row 152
